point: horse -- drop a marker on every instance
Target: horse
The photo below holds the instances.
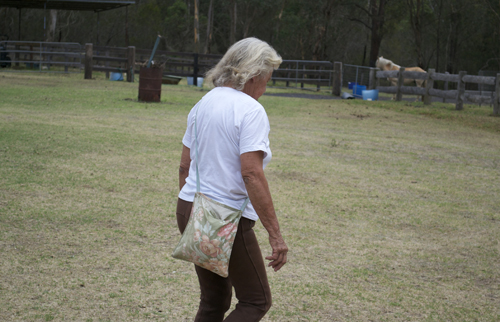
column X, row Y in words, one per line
column 386, row 64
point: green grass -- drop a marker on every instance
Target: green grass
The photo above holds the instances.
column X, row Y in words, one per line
column 390, row 210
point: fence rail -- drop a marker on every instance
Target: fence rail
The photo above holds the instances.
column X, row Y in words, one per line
column 22, row 55
column 74, row 57
column 302, row 72
column 427, row 92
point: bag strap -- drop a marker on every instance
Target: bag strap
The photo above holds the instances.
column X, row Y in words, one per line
column 196, row 158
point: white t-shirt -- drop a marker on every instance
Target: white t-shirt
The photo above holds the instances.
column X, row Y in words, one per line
column 229, row 123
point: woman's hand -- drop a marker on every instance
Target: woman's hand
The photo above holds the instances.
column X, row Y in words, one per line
column 278, row 258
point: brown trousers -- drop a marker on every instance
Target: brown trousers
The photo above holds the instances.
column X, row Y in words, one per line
column 247, row 274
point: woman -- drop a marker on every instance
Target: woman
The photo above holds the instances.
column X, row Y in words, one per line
column 233, row 149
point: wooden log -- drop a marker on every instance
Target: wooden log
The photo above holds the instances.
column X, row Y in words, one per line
column 110, row 59
column 414, row 75
column 443, row 94
column 479, row 99
column 445, row 87
column 428, row 86
column 483, row 80
column 387, row 89
column 88, row 61
column 446, row 77
column 102, row 68
column 337, row 79
column 399, row 95
column 130, row 63
column 372, row 83
column 496, row 97
column 461, row 91
column 387, row 74
column 412, row 90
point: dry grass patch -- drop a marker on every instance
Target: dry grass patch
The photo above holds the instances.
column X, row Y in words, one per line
column 390, row 210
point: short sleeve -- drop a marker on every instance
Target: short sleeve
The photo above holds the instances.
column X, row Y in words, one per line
column 254, row 131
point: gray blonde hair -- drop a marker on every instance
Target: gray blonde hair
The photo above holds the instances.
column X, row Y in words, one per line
column 244, row 60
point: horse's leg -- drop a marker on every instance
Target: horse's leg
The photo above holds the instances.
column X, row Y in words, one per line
column 420, row 83
column 393, row 83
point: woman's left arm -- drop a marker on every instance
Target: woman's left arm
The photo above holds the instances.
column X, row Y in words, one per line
column 184, row 166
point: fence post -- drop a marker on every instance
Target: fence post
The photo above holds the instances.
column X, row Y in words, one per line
column 372, row 81
column 195, row 70
column 319, row 79
column 399, row 95
column 428, row 86
column 303, row 74
column 496, row 108
column 445, row 87
column 130, row 63
column 288, row 76
column 337, row 79
column 107, row 65
column 88, row 61
column 460, row 91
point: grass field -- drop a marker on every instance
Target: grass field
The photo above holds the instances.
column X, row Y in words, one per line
column 391, row 210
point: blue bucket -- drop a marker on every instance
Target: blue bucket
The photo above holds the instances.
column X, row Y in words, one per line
column 115, row 76
column 350, row 85
column 370, row 95
column 200, row 81
column 357, row 90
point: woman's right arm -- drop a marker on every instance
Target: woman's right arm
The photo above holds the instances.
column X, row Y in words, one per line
column 260, row 196
column 184, row 166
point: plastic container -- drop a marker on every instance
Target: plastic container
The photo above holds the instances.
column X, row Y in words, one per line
column 200, row 81
column 350, row 85
column 357, row 90
column 370, row 95
column 115, row 76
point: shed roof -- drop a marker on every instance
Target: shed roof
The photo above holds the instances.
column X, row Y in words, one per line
column 89, row 5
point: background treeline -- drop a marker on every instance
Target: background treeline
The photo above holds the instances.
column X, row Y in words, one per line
column 449, row 35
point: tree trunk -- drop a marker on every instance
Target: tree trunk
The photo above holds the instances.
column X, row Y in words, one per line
column 416, row 8
column 453, row 40
column 278, row 23
column 322, row 29
column 51, row 34
column 233, row 14
column 196, row 27
column 377, row 16
column 209, row 27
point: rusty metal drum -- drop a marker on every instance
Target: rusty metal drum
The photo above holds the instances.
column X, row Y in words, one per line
column 150, row 84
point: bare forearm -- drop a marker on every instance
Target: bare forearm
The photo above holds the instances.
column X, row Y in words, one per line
column 258, row 192
column 260, row 196
column 184, row 166
column 183, row 174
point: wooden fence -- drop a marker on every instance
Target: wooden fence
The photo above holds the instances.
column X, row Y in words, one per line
column 43, row 55
column 460, row 95
column 33, row 55
column 302, row 72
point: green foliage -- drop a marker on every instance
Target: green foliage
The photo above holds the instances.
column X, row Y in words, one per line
column 452, row 35
column 177, row 27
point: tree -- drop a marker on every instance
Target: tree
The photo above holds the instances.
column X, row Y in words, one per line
column 374, row 20
column 416, row 10
column 210, row 22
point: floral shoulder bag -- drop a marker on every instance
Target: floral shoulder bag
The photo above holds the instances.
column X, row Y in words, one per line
column 208, row 238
